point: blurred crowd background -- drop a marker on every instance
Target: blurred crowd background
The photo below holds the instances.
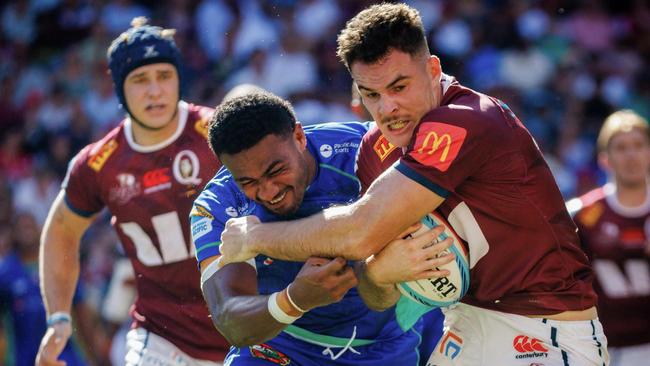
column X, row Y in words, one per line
column 562, row 66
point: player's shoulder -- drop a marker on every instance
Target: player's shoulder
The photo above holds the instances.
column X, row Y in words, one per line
column 337, row 130
column 375, row 143
column 198, row 118
column 97, row 154
column 588, row 208
column 219, row 194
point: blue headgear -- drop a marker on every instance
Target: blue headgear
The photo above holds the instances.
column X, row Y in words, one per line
column 141, row 45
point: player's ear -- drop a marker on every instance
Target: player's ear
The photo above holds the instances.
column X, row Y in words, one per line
column 433, row 63
column 299, row 136
column 603, row 161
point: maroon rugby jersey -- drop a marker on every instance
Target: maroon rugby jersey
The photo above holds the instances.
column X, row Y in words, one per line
column 502, row 200
column 376, row 154
column 615, row 238
column 149, row 190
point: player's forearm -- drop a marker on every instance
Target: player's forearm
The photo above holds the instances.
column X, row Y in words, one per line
column 377, row 297
column 243, row 320
column 58, row 270
column 334, row 232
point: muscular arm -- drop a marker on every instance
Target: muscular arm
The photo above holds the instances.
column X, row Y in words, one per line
column 242, row 315
column 238, row 311
column 356, row 231
column 59, row 272
column 378, row 297
column 59, row 255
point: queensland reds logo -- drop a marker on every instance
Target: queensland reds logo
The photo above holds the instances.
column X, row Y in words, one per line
column 437, row 144
column 186, row 168
column 127, row 188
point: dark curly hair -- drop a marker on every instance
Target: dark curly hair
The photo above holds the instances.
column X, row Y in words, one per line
column 372, row 33
column 240, row 123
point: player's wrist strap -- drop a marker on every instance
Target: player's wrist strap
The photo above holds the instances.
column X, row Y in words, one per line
column 277, row 313
column 58, row 317
column 293, row 303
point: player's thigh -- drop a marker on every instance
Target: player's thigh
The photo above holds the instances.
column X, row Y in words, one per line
column 475, row 336
column 144, row 348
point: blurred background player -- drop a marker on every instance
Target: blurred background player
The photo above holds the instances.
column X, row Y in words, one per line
column 21, row 298
column 614, row 228
column 147, row 172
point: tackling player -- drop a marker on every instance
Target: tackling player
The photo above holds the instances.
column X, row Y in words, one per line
column 380, row 155
column 279, row 311
column 614, row 228
column 468, row 156
column 146, row 171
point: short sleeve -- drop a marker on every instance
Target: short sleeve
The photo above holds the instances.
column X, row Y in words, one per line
column 442, row 155
column 210, row 212
column 81, row 188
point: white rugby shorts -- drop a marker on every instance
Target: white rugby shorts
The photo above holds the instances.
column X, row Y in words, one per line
column 474, row 336
column 144, row 348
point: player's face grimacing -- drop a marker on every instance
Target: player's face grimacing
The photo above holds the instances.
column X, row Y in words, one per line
column 398, row 91
column 152, row 94
column 275, row 172
column 628, row 156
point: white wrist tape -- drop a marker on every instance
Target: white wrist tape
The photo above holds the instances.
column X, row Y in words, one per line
column 277, row 313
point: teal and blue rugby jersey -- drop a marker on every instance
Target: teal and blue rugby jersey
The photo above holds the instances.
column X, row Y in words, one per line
column 334, row 146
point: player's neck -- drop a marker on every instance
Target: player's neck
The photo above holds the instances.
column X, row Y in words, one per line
column 631, row 195
column 311, row 167
column 147, row 137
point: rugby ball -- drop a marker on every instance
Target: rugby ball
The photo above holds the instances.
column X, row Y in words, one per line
column 441, row 291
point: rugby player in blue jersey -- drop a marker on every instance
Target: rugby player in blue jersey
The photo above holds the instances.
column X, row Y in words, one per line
column 278, row 311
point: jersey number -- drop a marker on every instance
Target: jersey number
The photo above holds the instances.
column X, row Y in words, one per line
column 631, row 280
column 170, row 236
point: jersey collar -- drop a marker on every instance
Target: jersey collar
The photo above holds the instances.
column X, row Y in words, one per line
column 610, row 196
column 182, row 120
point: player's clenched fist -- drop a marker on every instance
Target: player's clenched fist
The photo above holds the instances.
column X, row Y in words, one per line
column 322, row 282
column 52, row 344
column 234, row 246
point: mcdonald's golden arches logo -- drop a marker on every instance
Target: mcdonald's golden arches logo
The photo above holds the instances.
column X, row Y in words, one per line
column 437, row 144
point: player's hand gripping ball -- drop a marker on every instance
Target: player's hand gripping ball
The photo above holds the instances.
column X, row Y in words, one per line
column 441, row 291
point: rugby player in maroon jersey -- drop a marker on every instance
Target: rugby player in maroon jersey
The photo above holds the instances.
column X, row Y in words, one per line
column 147, row 172
column 468, row 157
column 614, row 229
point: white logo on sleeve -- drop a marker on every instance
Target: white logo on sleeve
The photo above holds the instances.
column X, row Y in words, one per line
column 201, row 227
column 232, row 212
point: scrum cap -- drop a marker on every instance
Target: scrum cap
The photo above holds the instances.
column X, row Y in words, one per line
column 141, row 45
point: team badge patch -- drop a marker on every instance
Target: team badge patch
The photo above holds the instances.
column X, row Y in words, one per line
column 437, row 144
column 267, row 353
column 97, row 161
column 201, row 126
column 383, row 148
column 200, row 211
